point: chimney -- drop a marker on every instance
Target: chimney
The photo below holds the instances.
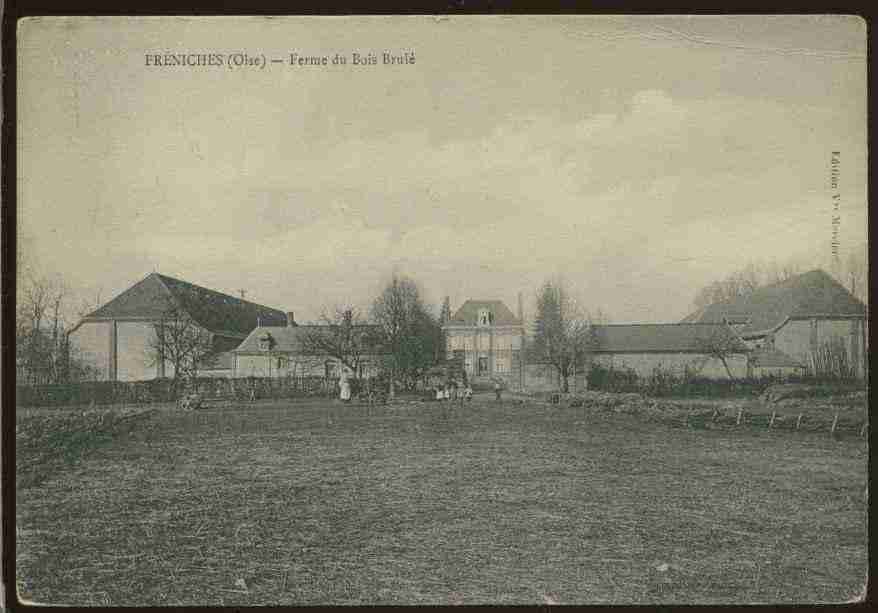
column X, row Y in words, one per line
column 291, row 321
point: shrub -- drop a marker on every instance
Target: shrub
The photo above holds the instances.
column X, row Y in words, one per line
column 831, row 361
column 611, row 379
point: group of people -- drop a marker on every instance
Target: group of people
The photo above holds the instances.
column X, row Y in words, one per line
column 454, row 390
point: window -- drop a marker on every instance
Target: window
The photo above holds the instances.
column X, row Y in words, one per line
column 266, row 342
column 486, row 318
column 483, row 366
column 329, row 369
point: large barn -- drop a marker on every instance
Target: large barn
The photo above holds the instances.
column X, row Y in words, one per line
column 795, row 318
column 116, row 340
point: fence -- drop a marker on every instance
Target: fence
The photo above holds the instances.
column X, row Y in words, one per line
column 834, row 420
column 167, row 390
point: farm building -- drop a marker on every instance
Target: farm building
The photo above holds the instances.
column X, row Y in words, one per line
column 486, row 337
column 117, row 339
column 671, row 347
column 797, row 317
column 292, row 351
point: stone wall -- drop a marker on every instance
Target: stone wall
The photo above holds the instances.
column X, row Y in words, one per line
column 135, row 361
column 90, row 343
column 644, row 363
column 798, row 338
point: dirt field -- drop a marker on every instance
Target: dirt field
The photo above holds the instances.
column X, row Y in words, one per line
column 321, row 503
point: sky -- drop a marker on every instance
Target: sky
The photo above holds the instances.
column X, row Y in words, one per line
column 636, row 158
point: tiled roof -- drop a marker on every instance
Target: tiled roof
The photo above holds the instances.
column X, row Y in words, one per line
column 286, row 339
column 810, row 294
column 212, row 310
column 658, row 338
column 468, row 313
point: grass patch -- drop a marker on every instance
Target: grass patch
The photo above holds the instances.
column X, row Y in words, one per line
column 421, row 503
column 48, row 440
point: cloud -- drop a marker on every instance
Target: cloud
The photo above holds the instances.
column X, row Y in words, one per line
column 661, row 188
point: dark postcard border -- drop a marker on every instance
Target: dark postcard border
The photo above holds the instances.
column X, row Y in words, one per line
column 15, row 10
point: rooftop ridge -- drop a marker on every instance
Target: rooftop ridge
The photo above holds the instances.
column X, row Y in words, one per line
column 163, row 276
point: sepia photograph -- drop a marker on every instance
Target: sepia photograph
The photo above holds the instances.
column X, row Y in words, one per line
column 440, row 310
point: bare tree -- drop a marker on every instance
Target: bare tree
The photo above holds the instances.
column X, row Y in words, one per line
column 744, row 282
column 721, row 344
column 41, row 328
column 831, row 360
column 854, row 272
column 564, row 335
column 90, row 304
column 444, row 318
column 180, row 341
column 342, row 334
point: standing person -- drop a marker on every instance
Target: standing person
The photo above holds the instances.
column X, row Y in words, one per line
column 497, row 389
column 345, row 387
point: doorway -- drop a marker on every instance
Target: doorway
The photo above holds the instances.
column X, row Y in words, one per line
column 483, row 366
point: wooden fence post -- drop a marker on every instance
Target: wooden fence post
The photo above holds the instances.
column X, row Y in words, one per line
column 834, row 424
column 740, row 412
column 771, row 421
column 799, row 421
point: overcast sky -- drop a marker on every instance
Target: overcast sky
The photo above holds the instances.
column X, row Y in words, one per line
column 640, row 158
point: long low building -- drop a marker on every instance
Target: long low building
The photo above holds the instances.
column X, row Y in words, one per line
column 299, row 350
column 675, row 348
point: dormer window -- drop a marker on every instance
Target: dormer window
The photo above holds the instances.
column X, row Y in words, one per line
column 486, row 318
column 266, row 342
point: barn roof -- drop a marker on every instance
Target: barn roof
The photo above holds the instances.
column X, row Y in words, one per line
column 812, row 294
column 287, row 339
column 468, row 313
column 658, row 338
column 214, row 311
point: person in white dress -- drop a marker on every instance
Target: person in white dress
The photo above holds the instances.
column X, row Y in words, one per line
column 345, row 386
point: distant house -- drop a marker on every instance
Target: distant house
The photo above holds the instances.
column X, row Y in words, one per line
column 671, row 347
column 795, row 318
column 486, row 337
column 115, row 339
column 284, row 351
